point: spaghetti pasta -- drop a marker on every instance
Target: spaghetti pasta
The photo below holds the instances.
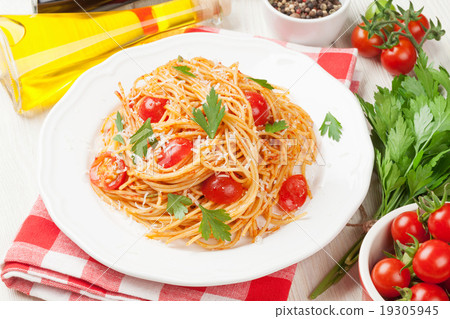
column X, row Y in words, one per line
column 258, row 161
